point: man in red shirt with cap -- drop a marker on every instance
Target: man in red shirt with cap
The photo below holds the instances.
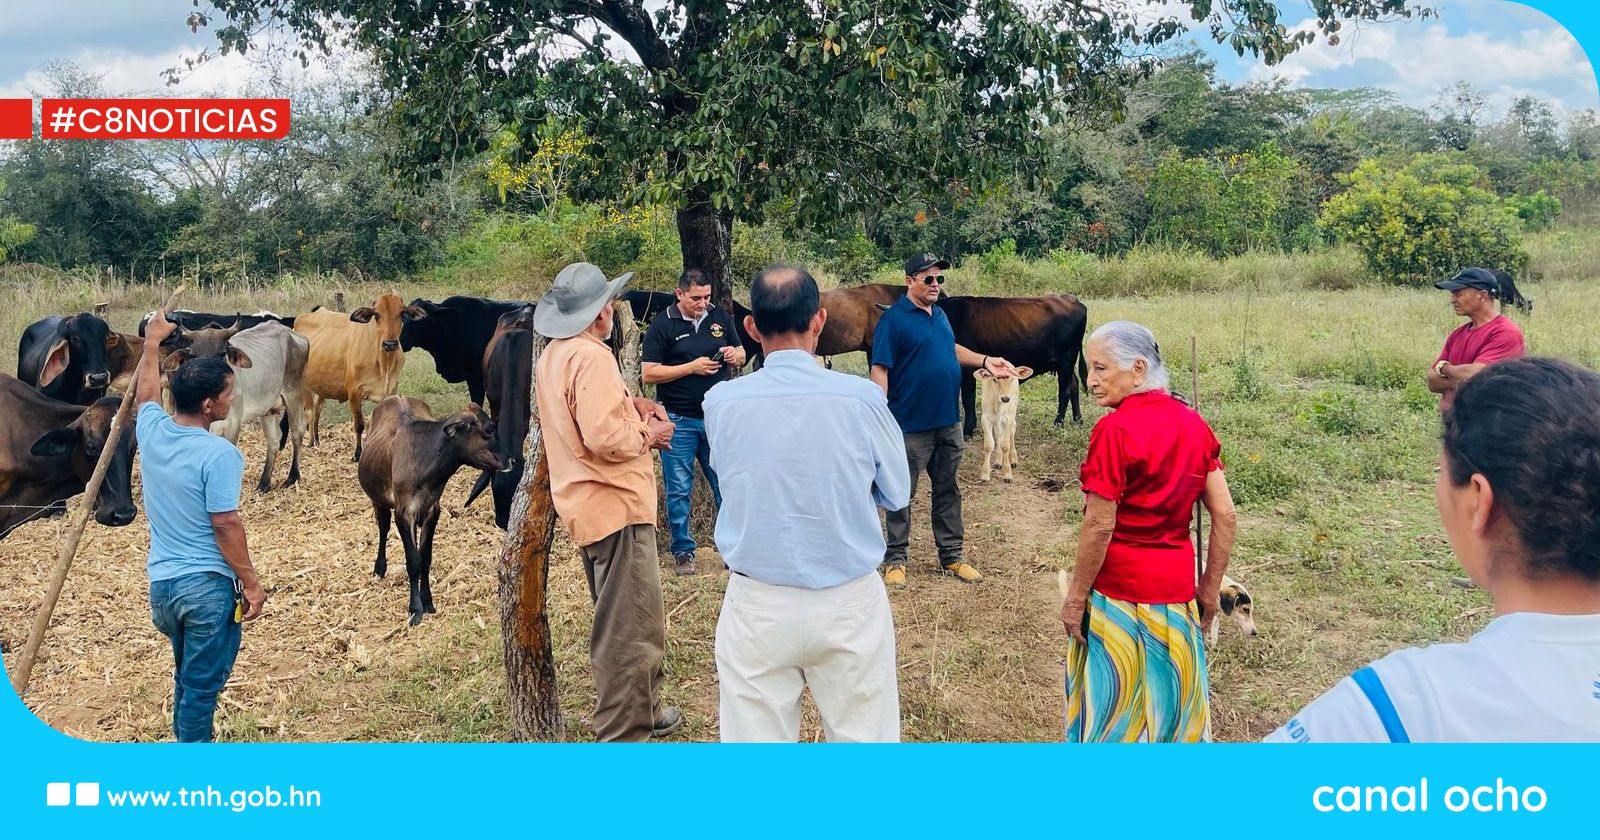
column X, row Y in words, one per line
column 1488, row 338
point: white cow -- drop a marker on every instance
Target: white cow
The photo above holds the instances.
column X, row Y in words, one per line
column 1000, row 398
column 269, row 366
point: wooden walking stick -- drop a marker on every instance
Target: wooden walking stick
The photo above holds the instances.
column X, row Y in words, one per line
column 69, row 549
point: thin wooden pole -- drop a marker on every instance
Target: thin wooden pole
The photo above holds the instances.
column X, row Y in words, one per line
column 1199, row 508
column 69, row 549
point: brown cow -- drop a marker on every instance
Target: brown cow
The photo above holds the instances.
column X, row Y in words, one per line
column 354, row 357
column 408, row 461
column 1044, row 333
column 48, row 450
column 122, row 360
column 853, row 313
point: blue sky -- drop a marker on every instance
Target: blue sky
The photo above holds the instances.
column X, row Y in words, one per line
column 1503, row 48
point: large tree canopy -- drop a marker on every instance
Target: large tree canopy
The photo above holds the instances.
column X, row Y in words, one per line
column 718, row 106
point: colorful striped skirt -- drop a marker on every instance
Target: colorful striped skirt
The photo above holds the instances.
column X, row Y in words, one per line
column 1140, row 677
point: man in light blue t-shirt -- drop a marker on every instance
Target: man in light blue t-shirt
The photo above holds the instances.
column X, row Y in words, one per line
column 202, row 584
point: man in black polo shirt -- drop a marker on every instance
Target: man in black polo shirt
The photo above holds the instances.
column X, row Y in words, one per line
column 687, row 349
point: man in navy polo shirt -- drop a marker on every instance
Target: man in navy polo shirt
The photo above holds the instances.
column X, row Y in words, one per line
column 917, row 362
column 687, row 349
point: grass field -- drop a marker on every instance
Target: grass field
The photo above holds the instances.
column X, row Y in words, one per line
column 1317, row 395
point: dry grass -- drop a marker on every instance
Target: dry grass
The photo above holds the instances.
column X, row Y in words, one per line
column 1338, row 542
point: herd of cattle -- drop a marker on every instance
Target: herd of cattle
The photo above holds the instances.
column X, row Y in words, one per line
column 55, row 415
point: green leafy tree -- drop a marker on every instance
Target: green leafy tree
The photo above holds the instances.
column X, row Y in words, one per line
column 1229, row 205
column 1426, row 220
column 12, row 232
column 716, row 108
column 83, row 198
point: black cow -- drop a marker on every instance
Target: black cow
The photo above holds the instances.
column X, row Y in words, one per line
column 647, row 305
column 456, row 332
column 1508, row 291
column 191, row 320
column 1044, row 333
column 48, row 450
column 65, row 358
column 508, row 384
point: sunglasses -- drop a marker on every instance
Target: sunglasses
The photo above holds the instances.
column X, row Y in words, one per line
column 933, row 279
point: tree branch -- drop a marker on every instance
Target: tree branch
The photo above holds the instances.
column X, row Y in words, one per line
column 633, row 23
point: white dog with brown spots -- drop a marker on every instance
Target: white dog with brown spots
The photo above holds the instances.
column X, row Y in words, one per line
column 999, row 420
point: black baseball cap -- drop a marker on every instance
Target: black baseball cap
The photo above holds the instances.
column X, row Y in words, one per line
column 923, row 262
column 1471, row 278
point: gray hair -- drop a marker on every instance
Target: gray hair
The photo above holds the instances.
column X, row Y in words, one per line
column 1128, row 342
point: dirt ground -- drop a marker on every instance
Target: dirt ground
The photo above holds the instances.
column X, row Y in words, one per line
column 333, row 659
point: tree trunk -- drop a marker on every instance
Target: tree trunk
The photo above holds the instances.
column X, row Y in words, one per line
column 625, row 344
column 524, row 578
column 705, row 235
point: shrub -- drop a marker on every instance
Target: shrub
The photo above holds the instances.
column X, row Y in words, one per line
column 1537, row 211
column 1425, row 220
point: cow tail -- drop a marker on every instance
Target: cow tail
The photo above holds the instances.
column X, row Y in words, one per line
column 283, row 429
column 1083, row 368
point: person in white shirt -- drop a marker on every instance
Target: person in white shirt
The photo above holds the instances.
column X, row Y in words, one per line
column 1519, row 496
column 806, row 458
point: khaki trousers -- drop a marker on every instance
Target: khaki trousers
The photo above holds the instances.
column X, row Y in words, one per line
column 628, row 642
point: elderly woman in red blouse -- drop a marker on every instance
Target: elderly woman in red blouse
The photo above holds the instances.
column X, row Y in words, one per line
column 1134, row 613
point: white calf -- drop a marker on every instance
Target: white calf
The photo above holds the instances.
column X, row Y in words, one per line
column 1000, row 398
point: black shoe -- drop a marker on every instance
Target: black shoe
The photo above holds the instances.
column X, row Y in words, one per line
column 670, row 721
column 683, row 564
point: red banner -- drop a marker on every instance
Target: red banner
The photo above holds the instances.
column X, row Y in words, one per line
column 165, row 119
column 16, row 119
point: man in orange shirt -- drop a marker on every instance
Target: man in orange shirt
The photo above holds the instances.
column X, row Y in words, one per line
column 602, row 480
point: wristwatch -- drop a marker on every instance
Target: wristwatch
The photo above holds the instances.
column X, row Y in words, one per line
column 1438, row 367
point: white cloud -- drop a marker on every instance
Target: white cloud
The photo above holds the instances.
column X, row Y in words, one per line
column 126, row 72
column 1425, row 58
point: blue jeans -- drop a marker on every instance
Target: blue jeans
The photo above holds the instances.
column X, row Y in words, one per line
column 195, row 612
column 689, row 444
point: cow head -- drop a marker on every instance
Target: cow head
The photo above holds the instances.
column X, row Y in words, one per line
column 81, row 443
column 386, row 315
column 83, row 341
column 426, row 324
column 1006, row 390
column 198, row 344
column 470, row 435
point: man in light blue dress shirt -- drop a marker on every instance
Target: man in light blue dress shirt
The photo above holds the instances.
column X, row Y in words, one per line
column 805, row 457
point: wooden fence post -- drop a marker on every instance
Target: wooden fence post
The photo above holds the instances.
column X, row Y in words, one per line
column 524, row 586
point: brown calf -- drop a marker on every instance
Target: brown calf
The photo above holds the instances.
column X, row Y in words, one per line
column 410, row 457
